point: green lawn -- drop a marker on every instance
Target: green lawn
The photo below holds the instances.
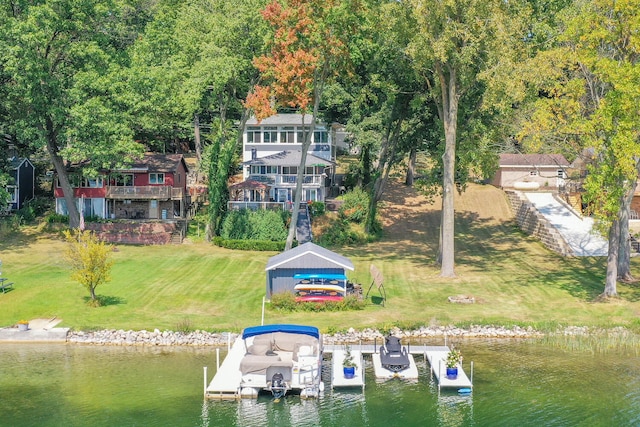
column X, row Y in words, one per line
column 513, row 277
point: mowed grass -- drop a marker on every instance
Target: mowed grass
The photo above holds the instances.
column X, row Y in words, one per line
column 515, row 280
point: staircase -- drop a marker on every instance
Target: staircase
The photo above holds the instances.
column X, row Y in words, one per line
column 177, row 236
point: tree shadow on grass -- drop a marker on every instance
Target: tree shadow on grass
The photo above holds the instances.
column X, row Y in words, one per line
column 106, row 300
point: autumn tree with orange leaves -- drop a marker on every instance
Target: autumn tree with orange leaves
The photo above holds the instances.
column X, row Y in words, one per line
column 309, row 45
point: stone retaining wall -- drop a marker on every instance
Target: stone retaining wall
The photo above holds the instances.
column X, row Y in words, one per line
column 534, row 223
column 134, row 233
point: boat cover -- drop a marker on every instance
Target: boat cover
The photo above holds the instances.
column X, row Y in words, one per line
column 288, row 328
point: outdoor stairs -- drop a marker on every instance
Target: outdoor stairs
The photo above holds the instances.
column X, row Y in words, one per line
column 177, row 236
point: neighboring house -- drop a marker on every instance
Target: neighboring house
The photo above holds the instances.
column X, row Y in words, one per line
column 524, row 170
column 155, row 187
column 306, row 259
column 22, row 183
column 272, row 151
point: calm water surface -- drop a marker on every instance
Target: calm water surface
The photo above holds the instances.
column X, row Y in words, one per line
column 516, row 383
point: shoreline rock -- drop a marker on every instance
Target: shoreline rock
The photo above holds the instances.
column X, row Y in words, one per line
column 203, row 338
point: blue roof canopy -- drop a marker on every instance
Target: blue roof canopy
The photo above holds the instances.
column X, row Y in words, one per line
column 320, row 276
column 291, row 329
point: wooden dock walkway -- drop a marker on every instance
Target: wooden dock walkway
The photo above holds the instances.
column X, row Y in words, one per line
column 226, row 382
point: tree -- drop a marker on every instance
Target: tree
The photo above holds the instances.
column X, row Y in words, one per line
column 309, row 44
column 63, row 62
column 589, row 80
column 89, row 259
column 193, row 65
column 458, row 45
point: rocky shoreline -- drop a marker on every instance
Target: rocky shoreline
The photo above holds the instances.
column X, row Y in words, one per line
column 204, row 338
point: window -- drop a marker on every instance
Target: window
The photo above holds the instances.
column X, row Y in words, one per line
column 320, row 136
column 270, row 134
column 287, row 135
column 125, row 180
column 13, row 193
column 253, row 135
column 533, row 173
column 561, row 173
column 78, row 181
column 156, row 178
column 289, row 170
column 301, row 132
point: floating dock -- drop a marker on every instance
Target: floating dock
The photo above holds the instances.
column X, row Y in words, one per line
column 437, row 357
column 411, row 373
column 226, row 382
column 337, row 375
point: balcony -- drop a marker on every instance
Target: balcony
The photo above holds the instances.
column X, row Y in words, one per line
column 307, row 179
column 147, row 192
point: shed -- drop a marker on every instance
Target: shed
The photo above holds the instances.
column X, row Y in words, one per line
column 306, row 259
column 22, row 188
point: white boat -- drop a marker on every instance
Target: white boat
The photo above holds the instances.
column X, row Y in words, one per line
column 281, row 358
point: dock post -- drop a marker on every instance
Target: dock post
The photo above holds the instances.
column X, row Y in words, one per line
column 217, row 359
column 205, row 382
column 471, row 379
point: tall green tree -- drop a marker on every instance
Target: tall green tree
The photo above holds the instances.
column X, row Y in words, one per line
column 589, row 80
column 192, row 67
column 458, row 47
column 309, row 45
column 63, row 62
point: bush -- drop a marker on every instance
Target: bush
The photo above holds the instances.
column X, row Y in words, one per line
column 249, row 245
column 316, row 209
column 341, row 233
column 55, row 218
column 286, row 301
column 245, row 224
column 355, row 206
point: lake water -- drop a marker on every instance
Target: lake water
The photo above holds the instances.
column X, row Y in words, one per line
column 516, row 383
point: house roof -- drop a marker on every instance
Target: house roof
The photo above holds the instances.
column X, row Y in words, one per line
column 281, row 120
column 307, row 252
column 16, row 162
column 555, row 160
column 157, row 163
column 288, row 158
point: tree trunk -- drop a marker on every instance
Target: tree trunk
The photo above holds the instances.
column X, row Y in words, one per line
column 411, row 167
column 63, row 176
column 196, row 135
column 450, row 118
column 297, row 199
column 624, row 254
column 610, row 287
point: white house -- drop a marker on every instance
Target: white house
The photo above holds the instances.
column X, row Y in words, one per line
column 544, row 170
column 272, row 151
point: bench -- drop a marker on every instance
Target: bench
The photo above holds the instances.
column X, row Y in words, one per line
column 5, row 286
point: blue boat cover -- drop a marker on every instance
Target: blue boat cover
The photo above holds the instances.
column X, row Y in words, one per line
column 292, row 329
column 320, row 276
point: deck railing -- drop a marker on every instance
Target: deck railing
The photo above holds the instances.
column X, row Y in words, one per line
column 163, row 192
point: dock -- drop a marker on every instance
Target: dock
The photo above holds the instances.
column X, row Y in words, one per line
column 411, row 373
column 226, row 382
column 337, row 375
column 437, row 360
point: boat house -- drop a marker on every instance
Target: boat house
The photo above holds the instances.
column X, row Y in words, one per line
column 305, row 262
